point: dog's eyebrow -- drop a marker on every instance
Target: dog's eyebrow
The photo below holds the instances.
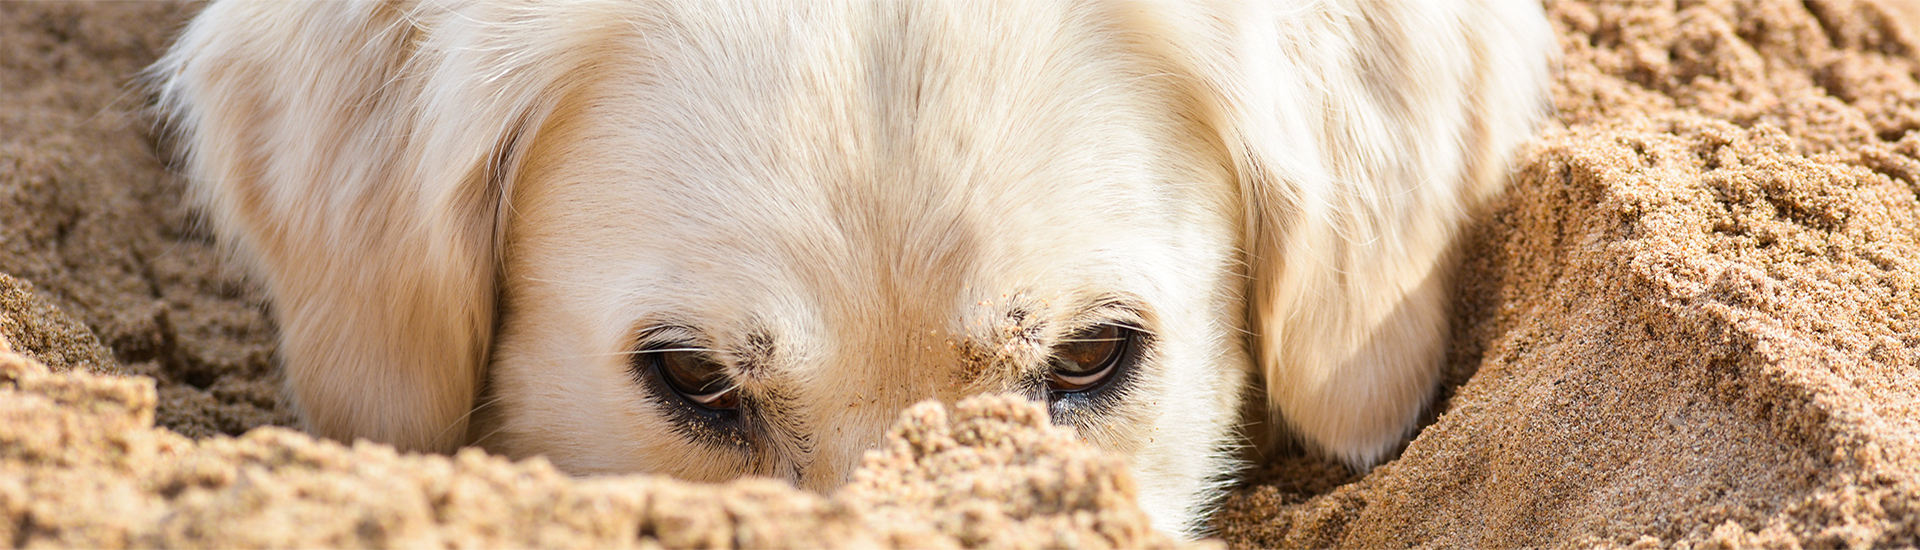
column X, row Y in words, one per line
column 1113, row 308
column 755, row 354
column 666, row 333
column 1022, row 317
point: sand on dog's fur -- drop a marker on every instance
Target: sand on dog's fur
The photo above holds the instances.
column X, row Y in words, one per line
column 1693, row 321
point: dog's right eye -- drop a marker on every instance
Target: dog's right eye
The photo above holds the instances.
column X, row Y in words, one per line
column 1087, row 359
column 696, row 377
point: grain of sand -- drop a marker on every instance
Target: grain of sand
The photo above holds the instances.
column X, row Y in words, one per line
column 1694, row 321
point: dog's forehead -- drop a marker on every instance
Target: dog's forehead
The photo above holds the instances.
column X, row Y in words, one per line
column 890, row 161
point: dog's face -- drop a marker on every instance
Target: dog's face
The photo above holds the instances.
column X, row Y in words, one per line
column 747, row 252
column 727, row 238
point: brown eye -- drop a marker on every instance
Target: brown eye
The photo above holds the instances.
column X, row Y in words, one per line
column 697, row 377
column 1088, row 357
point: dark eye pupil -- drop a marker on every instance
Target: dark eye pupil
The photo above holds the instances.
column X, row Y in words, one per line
column 1087, row 358
column 697, row 377
column 1088, row 350
column 691, row 372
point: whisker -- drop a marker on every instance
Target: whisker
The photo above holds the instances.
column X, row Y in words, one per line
column 630, row 352
column 662, row 350
column 489, row 401
column 490, row 434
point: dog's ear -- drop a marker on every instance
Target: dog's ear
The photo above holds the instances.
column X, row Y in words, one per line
column 356, row 156
column 1363, row 133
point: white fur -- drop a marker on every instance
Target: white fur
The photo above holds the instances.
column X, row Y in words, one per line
column 857, row 205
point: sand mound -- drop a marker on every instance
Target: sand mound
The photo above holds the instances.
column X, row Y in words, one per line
column 1693, row 321
column 1694, row 318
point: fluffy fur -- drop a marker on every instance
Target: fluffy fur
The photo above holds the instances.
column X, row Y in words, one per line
column 470, row 215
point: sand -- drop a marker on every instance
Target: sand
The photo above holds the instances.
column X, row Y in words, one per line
column 92, row 218
column 84, row 467
column 1693, row 321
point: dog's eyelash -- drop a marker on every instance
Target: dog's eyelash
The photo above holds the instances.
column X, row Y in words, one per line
column 1117, row 311
column 1134, row 326
column 626, row 353
column 663, row 350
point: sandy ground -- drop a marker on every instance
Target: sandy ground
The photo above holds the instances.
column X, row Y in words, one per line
column 1694, row 321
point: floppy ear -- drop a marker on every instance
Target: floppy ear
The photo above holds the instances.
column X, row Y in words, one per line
column 1363, row 132
column 355, row 156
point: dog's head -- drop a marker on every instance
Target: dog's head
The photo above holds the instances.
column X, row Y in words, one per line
column 719, row 239
column 752, row 239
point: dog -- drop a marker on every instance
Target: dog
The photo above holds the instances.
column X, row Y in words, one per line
column 718, row 238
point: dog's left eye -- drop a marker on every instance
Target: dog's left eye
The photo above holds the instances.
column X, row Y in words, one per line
column 698, row 378
column 1087, row 358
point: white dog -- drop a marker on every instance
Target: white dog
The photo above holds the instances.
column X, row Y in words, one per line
column 711, row 239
